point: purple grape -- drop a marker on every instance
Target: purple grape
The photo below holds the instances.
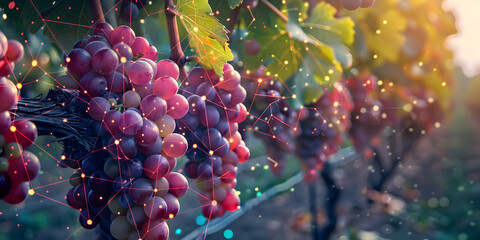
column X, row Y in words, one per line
column 196, row 104
column 140, row 72
column 140, row 191
column 103, row 29
column 132, row 169
column 105, row 61
column 78, row 62
column 148, row 134
column 94, row 47
column 167, row 67
column 155, row 208
column 156, row 166
column 210, row 117
column 123, row 50
column 155, row 148
column 130, row 122
column 206, row 90
column 117, row 82
column 122, row 34
column 93, row 85
column 98, row 107
column 153, row 107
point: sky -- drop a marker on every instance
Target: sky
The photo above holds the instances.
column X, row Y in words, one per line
column 466, row 44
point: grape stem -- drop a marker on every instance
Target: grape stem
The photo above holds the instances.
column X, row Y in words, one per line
column 275, row 10
column 231, row 24
column 97, row 12
column 177, row 55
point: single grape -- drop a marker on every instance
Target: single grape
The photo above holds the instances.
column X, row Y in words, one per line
column 104, row 61
column 140, row 72
column 252, row 47
column 131, row 99
column 165, row 87
column 153, row 107
column 156, row 166
column 177, row 106
column 120, row 227
column 8, row 94
column 78, row 62
column 178, row 184
column 155, row 148
column 160, row 186
column 24, row 133
column 141, row 191
column 140, row 46
column 24, row 168
column 94, row 47
column 351, row 4
column 136, row 216
column 229, row 80
column 122, row 34
column 17, row 193
column 155, row 230
column 196, row 76
column 98, row 107
column 148, row 134
column 111, row 120
column 144, row 90
column 155, row 208
column 167, row 67
column 367, row 3
column 123, row 50
column 5, row 121
column 175, row 145
column 249, row 4
column 15, row 51
column 103, row 29
column 173, row 206
column 130, row 122
column 3, row 165
column 196, row 104
column 93, row 85
column 3, row 44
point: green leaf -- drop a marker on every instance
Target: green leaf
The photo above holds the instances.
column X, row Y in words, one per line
column 206, row 34
column 63, row 21
column 333, row 32
column 234, row 3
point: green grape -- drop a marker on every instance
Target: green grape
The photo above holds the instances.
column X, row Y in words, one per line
column 3, row 164
column 120, row 227
column 13, row 150
column 75, row 179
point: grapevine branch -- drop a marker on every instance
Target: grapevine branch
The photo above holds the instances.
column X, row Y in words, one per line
column 97, row 12
column 275, row 10
column 232, row 22
column 176, row 54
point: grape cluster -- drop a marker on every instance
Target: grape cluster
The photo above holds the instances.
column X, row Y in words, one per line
column 211, row 128
column 354, row 4
column 134, row 103
column 322, row 126
column 17, row 166
column 368, row 118
column 271, row 117
column 129, row 9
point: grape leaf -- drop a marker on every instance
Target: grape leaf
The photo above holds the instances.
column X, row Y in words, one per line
column 234, row 3
column 206, row 34
column 316, row 48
